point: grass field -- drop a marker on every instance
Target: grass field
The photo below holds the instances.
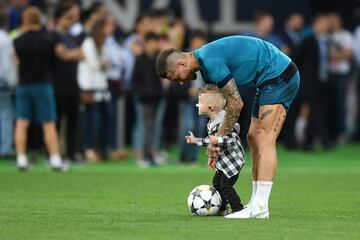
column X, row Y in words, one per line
column 315, row 196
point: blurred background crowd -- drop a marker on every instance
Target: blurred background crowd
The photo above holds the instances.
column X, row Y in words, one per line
column 99, row 74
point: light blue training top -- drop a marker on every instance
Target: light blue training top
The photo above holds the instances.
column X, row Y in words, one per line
column 248, row 60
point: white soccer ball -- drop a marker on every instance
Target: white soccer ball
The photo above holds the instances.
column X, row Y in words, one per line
column 204, row 200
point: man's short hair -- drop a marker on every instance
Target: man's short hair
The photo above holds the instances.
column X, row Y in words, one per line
column 291, row 14
column 162, row 61
column 260, row 14
column 141, row 17
column 318, row 16
column 32, row 15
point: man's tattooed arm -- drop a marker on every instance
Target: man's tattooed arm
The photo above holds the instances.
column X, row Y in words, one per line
column 234, row 104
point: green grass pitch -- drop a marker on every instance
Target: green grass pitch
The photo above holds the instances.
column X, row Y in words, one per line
column 315, row 196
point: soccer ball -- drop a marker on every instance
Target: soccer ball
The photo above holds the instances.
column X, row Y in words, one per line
column 204, row 200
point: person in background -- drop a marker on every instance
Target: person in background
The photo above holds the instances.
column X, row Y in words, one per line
column 341, row 52
column 148, row 88
column 160, row 20
column 292, row 38
column 178, row 96
column 95, row 94
column 190, row 120
column 35, row 100
column 68, row 54
column 356, row 90
column 7, row 83
column 81, row 30
column 264, row 25
column 134, row 46
column 35, row 143
column 115, row 59
column 15, row 12
column 134, row 43
column 161, row 26
column 313, row 58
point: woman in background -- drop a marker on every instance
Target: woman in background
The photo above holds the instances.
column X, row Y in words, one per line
column 95, row 94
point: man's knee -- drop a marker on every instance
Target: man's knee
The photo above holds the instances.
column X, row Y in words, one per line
column 259, row 137
column 50, row 131
column 263, row 136
column 49, row 126
column 22, row 124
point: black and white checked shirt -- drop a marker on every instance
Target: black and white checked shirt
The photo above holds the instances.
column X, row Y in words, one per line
column 232, row 157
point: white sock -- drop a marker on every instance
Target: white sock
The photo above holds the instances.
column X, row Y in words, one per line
column 21, row 160
column 254, row 185
column 55, row 160
column 262, row 194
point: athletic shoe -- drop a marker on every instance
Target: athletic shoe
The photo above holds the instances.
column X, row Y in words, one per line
column 249, row 212
column 119, row 155
column 161, row 158
column 22, row 163
column 59, row 165
column 63, row 168
column 92, row 156
column 142, row 163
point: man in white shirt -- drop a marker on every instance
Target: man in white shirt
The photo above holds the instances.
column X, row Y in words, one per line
column 7, row 83
column 341, row 49
column 357, row 91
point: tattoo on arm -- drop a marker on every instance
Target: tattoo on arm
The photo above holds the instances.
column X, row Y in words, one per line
column 265, row 114
column 233, row 107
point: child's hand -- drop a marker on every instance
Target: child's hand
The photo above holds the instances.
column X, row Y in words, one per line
column 191, row 139
column 213, row 151
column 213, row 140
column 211, row 162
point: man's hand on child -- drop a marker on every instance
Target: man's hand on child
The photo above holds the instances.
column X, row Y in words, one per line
column 191, row 139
